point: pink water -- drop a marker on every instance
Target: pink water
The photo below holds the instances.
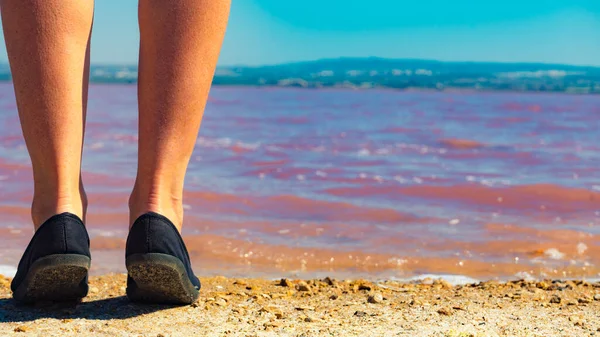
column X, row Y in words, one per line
column 374, row 183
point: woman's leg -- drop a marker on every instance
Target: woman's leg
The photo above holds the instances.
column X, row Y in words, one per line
column 48, row 50
column 179, row 46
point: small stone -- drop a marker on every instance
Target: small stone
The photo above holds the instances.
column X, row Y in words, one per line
column 220, row 302
column 364, row 286
column 333, row 297
column 239, row 311
column 375, row 298
column 329, row 281
column 271, row 324
column 444, row 311
column 415, row 302
column 304, row 308
column 240, row 283
column 427, row 281
column 279, row 315
column 576, row 320
column 160, row 335
column 302, row 286
column 543, row 285
column 360, row 314
column 285, row 283
column 555, row 299
column 442, row 284
column 446, row 285
column 597, row 297
column 94, row 290
column 584, row 300
column 21, row 328
column 308, row 319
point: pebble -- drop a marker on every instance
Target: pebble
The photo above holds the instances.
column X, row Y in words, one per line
column 94, row 290
column 543, row 285
column 364, row 286
column 271, row 325
column 333, row 297
column 442, row 284
column 427, row 281
column 555, row 299
column 584, row 300
column 21, row 328
column 285, row 283
column 415, row 302
column 444, row 311
column 240, row 283
column 360, row 314
column 302, row 286
column 239, row 311
column 375, row 298
column 575, row 319
column 329, row 281
column 304, row 308
column 597, row 297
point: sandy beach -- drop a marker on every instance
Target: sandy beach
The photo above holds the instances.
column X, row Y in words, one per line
column 324, row 307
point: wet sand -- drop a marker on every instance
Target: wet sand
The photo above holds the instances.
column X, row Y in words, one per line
column 323, row 307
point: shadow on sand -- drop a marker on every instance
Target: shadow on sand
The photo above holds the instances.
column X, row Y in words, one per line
column 104, row 309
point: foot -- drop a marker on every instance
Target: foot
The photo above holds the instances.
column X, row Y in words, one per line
column 55, row 264
column 158, row 263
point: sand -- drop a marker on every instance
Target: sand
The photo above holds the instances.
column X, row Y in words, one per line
column 326, row 307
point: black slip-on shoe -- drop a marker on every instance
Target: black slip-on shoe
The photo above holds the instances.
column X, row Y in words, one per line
column 55, row 264
column 158, row 263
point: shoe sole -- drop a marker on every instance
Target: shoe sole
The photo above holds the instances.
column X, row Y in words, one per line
column 56, row 278
column 159, row 278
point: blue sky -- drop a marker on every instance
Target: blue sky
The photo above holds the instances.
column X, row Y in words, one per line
column 277, row 31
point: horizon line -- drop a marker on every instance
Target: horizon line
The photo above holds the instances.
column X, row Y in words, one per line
column 107, row 64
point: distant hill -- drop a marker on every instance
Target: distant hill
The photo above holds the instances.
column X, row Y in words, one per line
column 390, row 73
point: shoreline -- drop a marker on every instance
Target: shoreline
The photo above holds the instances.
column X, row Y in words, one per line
column 320, row 307
column 446, row 90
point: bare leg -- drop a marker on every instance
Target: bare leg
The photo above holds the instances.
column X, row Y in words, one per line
column 180, row 44
column 48, row 49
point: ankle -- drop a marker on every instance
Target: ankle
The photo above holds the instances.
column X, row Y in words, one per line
column 161, row 203
column 45, row 205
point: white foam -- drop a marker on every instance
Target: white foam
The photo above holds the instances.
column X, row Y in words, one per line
column 581, row 248
column 554, row 254
column 525, row 276
column 450, row 278
column 8, row 271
